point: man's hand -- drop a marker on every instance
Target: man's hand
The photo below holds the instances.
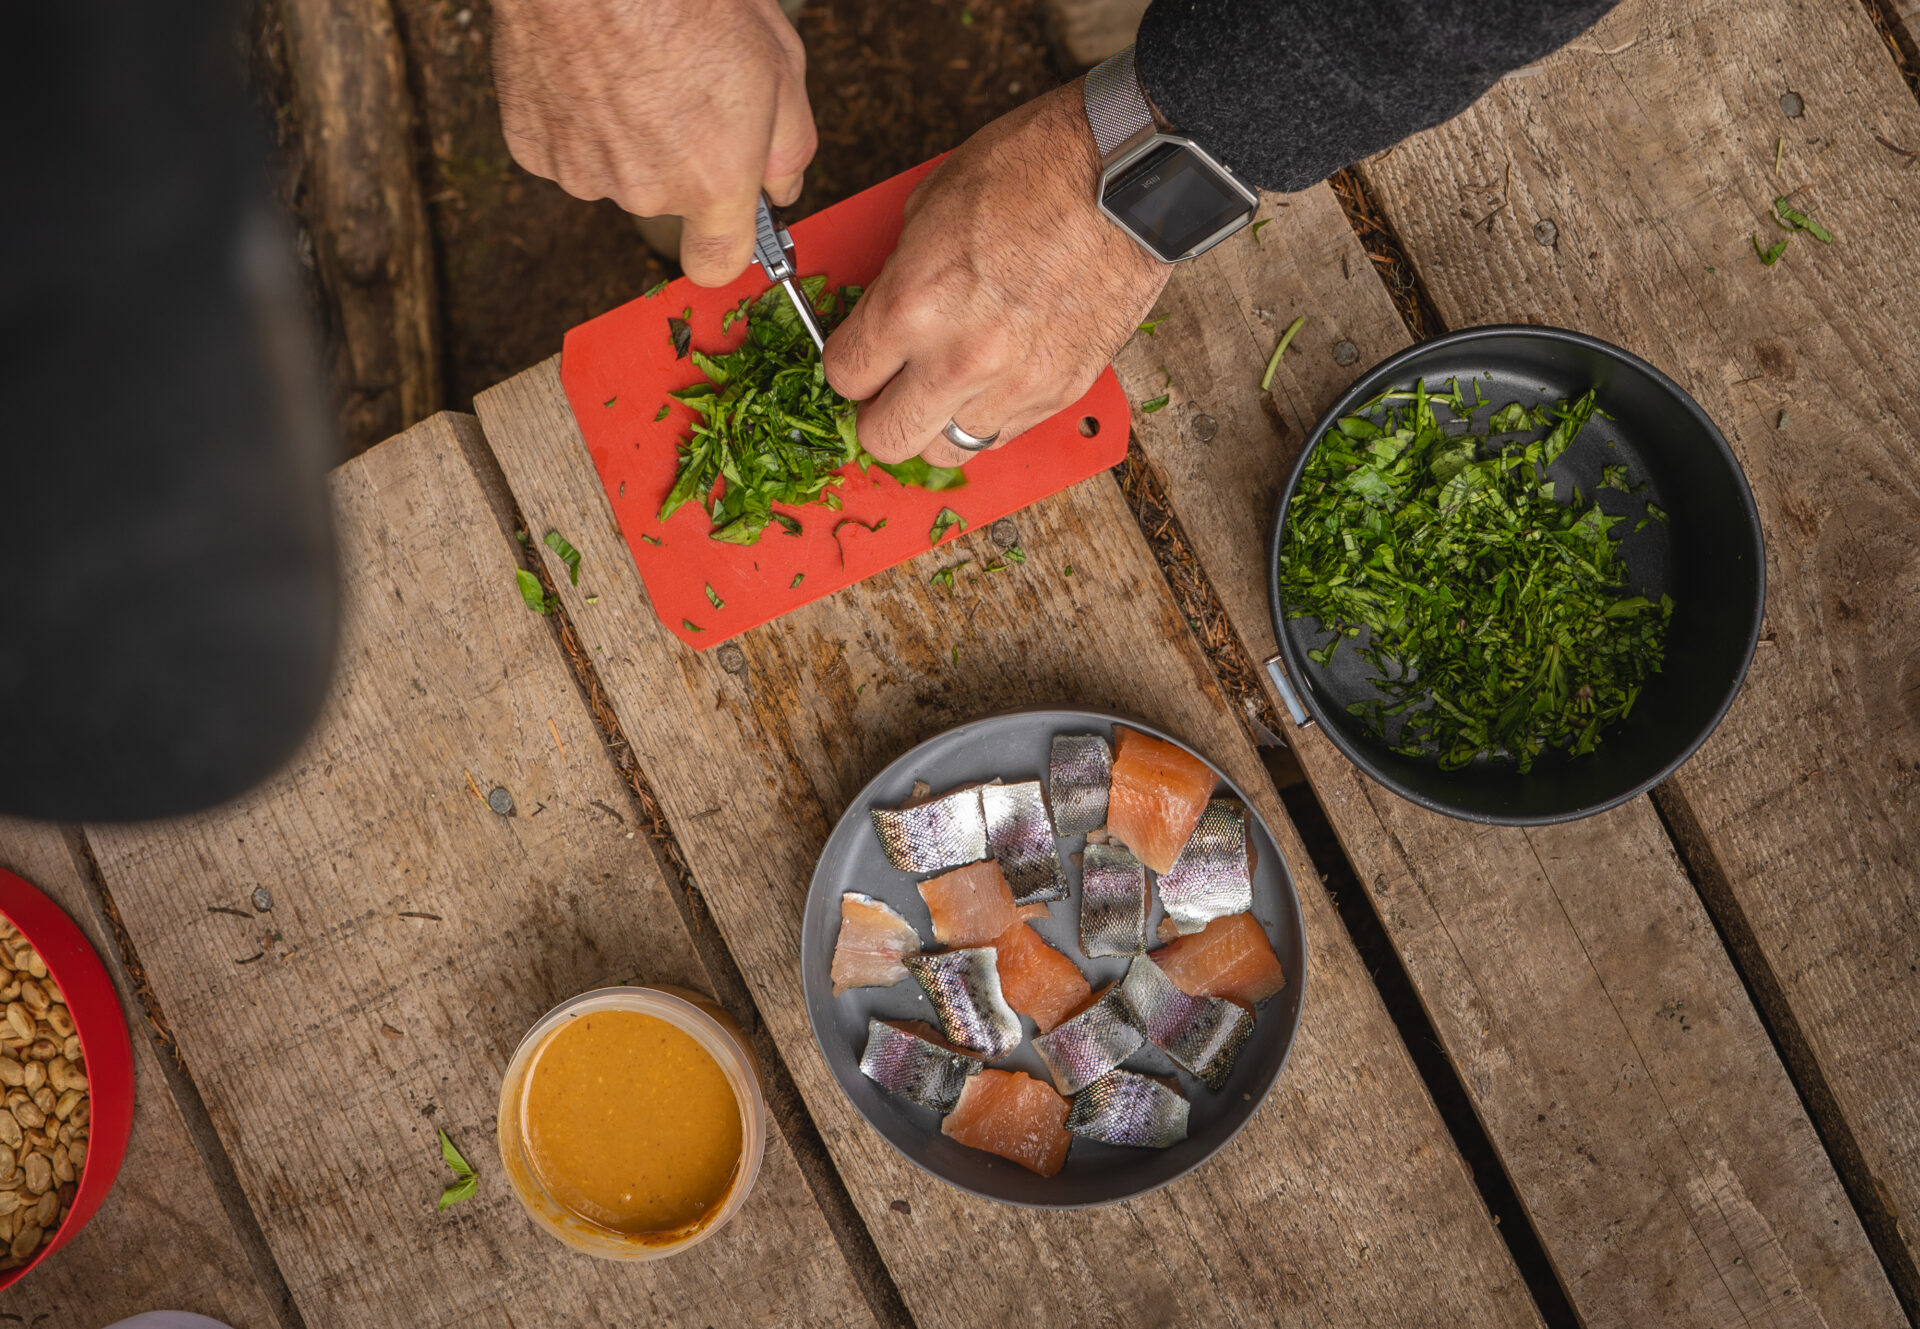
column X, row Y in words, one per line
column 1009, row 292
column 688, row 107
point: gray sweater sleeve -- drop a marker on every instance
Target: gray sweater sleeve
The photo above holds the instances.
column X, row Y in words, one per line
column 1287, row 92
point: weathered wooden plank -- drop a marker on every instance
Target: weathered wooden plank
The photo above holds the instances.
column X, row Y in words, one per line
column 1342, row 1197
column 163, row 1237
column 1651, row 144
column 415, row 935
column 1571, row 972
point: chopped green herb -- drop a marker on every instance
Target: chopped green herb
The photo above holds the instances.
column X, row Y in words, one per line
column 661, row 414
column 460, row 1190
column 734, row 315
column 1264, row 221
column 623, row 489
column 1069, row 569
column 654, row 290
column 995, row 566
column 713, row 598
column 1499, row 622
column 611, row 400
column 593, row 599
column 1615, row 477
column 1158, row 403
column 522, row 537
column 917, row 471
column 1790, row 218
column 1770, row 255
column 687, row 313
column 1015, row 554
column 956, row 656
column 966, row 18
column 1152, row 325
column 679, row 336
column 798, row 577
column 944, row 577
column 852, row 521
column 1286, row 339
column 946, row 520
column 568, row 554
column 789, row 524
column 1657, row 513
column 691, row 626
column 454, row 1160
column 651, row 539
column 532, row 592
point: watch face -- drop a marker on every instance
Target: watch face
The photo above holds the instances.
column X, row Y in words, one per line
column 1172, row 200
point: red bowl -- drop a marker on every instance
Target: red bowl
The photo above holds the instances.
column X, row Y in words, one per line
column 104, row 1047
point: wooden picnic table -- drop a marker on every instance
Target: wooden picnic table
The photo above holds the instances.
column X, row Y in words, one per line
column 1688, row 1029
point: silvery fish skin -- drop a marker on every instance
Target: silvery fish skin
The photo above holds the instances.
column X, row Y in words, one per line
column 1123, row 1108
column 964, row 987
column 1202, row 1034
column 1113, row 901
column 1213, row 876
column 945, row 832
column 1081, row 1050
column 1079, row 773
column 903, row 1059
column 1020, row 836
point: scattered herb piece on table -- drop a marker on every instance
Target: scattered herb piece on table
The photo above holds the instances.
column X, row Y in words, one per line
column 533, row 592
column 1499, row 621
column 1158, row 403
column 946, row 520
column 1264, row 221
column 769, row 428
column 1769, row 254
column 1790, row 218
column 654, row 290
column 467, row 1181
column 944, row 577
column 568, row 554
column 1015, row 554
column 1152, row 325
column 1286, row 340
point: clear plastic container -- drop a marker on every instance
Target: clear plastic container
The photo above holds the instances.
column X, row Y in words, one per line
column 715, row 1031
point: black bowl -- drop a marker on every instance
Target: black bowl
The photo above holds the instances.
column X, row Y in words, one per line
column 1710, row 559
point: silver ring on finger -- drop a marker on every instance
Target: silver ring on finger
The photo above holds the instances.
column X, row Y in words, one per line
column 960, row 438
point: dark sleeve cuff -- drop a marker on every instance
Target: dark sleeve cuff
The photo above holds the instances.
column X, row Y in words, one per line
column 1287, row 92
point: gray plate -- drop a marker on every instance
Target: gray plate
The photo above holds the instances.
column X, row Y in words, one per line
column 1014, row 747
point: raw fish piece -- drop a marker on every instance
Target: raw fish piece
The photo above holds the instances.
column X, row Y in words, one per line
column 964, row 987
column 1084, row 1048
column 1011, row 1114
column 1202, row 1034
column 1231, row 957
column 909, row 1058
column 1157, row 796
column 1213, row 876
column 1123, row 1108
column 1078, row 769
column 872, row 940
column 1037, row 980
column 971, row 906
column 1113, row 902
column 1020, row 838
column 933, row 834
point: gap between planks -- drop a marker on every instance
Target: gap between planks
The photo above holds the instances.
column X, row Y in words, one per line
column 124, row 967
column 784, row 1101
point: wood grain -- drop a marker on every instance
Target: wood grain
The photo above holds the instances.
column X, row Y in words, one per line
column 1571, row 972
column 1342, row 1194
column 1656, row 163
column 414, row 936
column 163, row 1237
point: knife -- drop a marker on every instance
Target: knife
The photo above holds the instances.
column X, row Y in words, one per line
column 773, row 251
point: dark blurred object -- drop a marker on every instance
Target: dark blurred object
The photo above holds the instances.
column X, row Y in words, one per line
column 171, row 619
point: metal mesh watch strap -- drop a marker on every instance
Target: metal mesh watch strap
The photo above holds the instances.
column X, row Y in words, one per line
column 1116, row 108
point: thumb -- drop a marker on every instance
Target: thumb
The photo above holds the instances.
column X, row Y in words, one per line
column 795, row 139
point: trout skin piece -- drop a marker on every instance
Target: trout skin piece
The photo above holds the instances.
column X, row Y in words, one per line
column 1213, row 876
column 1203, row 1034
column 1079, row 768
column 964, row 988
column 873, row 940
column 1122, row 1107
column 934, row 834
column 1113, row 901
column 909, row 1058
column 1020, row 839
column 1081, row 1049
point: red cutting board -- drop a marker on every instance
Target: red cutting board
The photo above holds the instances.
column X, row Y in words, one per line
column 619, row 368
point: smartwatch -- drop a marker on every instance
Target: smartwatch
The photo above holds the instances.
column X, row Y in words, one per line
column 1164, row 190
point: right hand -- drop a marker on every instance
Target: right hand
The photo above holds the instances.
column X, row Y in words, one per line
column 685, row 107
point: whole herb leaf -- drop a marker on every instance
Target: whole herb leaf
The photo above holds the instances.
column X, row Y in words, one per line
column 568, row 554
column 1149, row 407
column 946, row 520
column 532, row 592
column 462, row 1189
column 453, row 1157
column 1499, row 623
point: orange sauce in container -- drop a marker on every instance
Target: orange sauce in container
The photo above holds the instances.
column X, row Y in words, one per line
column 631, row 1121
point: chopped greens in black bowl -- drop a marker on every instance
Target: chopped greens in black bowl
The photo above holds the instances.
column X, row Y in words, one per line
column 1517, row 575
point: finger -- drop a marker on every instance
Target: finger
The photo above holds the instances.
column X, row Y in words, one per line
column 716, row 239
column 860, row 357
column 795, row 139
column 906, row 418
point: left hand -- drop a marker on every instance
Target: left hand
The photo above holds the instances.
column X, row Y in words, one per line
column 1008, row 294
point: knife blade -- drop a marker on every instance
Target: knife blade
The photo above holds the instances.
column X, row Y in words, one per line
column 773, row 251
